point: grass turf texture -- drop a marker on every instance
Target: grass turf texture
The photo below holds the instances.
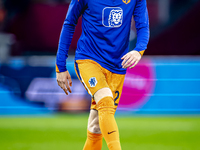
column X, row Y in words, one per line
column 68, row 132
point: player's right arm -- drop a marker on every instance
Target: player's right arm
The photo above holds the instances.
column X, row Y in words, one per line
column 76, row 8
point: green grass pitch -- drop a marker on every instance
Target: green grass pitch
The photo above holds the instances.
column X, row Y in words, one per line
column 68, row 132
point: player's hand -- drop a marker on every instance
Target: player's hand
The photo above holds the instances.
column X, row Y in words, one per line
column 131, row 59
column 64, row 81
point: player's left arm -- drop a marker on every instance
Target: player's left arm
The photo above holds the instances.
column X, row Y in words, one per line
column 142, row 26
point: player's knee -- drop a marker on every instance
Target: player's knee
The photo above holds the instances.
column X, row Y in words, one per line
column 93, row 122
column 105, row 107
column 100, row 94
column 95, row 129
column 106, row 102
column 93, row 126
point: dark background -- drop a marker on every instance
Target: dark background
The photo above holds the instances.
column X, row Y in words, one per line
column 36, row 25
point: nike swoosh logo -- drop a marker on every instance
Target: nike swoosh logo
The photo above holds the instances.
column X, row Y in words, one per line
column 111, row 132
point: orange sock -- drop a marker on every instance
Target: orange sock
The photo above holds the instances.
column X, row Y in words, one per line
column 93, row 142
column 107, row 123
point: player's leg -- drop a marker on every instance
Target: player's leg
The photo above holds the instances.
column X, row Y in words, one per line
column 106, row 111
column 94, row 78
column 115, row 82
column 94, row 136
column 87, row 71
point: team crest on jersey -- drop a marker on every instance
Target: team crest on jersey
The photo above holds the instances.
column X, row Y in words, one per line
column 126, row 1
column 93, row 82
column 112, row 17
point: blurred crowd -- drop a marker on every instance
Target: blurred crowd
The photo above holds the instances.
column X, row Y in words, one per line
column 36, row 25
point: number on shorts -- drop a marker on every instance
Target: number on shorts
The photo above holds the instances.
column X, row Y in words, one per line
column 116, row 92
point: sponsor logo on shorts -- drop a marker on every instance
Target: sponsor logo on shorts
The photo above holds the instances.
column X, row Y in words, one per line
column 93, row 82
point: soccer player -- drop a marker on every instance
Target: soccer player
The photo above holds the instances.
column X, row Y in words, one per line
column 102, row 58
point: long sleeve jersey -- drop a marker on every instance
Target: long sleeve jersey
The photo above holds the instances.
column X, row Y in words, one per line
column 105, row 31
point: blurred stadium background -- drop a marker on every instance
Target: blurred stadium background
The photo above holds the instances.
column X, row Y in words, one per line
column 160, row 104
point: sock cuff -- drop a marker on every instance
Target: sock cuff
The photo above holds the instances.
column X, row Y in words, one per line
column 94, row 136
column 106, row 102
